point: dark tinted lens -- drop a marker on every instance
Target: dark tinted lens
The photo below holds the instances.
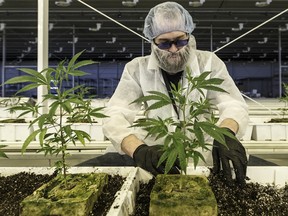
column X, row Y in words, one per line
column 165, row 45
column 180, row 43
column 168, row 44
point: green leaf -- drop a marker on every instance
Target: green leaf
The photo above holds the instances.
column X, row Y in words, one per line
column 83, row 63
column 28, row 140
column 171, row 159
column 213, row 131
column 198, row 133
column 29, row 71
column 167, row 141
column 196, row 156
column 67, row 129
column 154, row 95
column 181, row 155
column 159, row 94
column 67, row 106
column 21, row 79
column 34, row 73
column 146, row 98
column 72, row 90
column 73, row 60
column 213, row 88
column 41, row 120
column 23, row 113
column 203, row 75
column 42, row 135
column 28, row 87
column 163, row 158
column 158, row 105
column 77, row 73
column 98, row 115
column 2, row 153
column 53, row 108
column 81, row 135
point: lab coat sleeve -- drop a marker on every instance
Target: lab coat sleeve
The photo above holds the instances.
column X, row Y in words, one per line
column 230, row 104
column 121, row 113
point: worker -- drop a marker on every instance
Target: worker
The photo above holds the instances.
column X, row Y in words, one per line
column 169, row 26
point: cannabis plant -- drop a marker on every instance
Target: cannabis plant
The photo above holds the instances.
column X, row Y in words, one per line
column 188, row 136
column 6, row 102
column 9, row 101
column 284, row 110
column 54, row 132
column 2, row 153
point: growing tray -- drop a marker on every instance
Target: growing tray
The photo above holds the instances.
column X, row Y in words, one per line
column 125, row 198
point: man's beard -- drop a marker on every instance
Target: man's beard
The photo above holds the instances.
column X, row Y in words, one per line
column 172, row 62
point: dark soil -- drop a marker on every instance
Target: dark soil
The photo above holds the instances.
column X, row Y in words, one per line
column 252, row 200
column 14, row 188
column 107, row 197
column 143, row 198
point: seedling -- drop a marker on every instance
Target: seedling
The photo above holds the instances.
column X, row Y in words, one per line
column 184, row 137
column 5, row 103
column 284, row 110
column 2, row 153
column 10, row 101
column 54, row 132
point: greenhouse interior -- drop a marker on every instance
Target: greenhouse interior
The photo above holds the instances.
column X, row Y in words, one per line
column 65, row 99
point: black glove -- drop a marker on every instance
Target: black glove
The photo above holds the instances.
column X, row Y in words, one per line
column 147, row 158
column 234, row 152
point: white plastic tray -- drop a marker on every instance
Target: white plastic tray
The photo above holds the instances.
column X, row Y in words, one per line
column 125, row 198
column 124, row 203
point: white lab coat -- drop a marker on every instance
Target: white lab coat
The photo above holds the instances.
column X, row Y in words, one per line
column 142, row 75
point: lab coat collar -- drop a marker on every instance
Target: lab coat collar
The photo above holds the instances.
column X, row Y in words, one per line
column 153, row 67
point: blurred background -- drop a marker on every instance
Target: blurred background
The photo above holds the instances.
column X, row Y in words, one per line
column 258, row 62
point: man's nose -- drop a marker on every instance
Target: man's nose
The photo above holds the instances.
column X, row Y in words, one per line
column 173, row 48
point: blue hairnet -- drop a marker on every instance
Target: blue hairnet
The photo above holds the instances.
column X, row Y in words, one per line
column 167, row 17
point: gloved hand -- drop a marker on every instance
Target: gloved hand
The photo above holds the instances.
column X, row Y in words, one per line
column 234, row 152
column 147, row 158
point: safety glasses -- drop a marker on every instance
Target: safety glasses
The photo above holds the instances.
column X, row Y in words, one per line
column 167, row 44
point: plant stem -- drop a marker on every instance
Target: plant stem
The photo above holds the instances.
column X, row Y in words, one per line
column 181, row 180
column 62, row 138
